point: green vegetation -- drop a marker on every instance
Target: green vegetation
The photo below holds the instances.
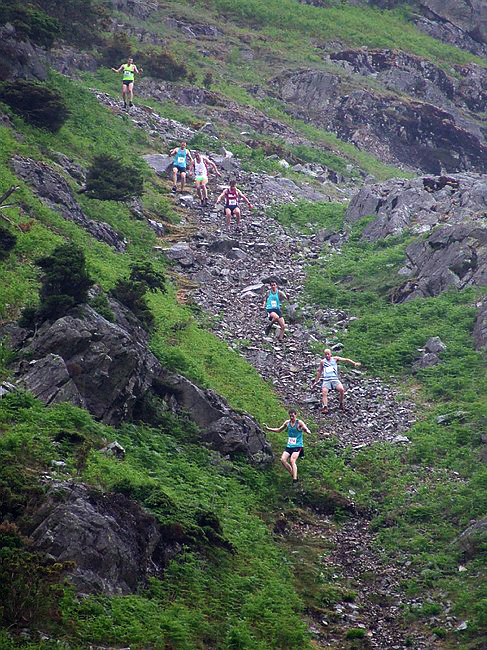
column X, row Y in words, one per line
column 30, row 22
column 37, row 103
column 109, row 179
column 309, row 217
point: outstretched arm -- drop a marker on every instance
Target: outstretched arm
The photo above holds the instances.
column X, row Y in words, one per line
column 137, row 70
column 355, row 363
column 220, row 197
column 318, row 374
column 303, row 426
column 281, row 428
column 118, row 69
column 215, row 168
column 282, row 295
column 264, row 299
column 245, row 199
column 173, row 151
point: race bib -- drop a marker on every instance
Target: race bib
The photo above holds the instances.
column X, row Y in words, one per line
column 181, row 160
column 291, row 441
column 232, row 201
column 329, row 370
column 273, row 303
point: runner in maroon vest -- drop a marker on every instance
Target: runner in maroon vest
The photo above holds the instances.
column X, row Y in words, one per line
column 232, row 195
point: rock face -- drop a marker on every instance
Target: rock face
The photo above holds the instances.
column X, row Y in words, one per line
column 114, row 544
column 414, row 133
column 227, row 431
column 108, row 368
column 55, row 191
column 139, row 8
column 20, row 60
column 419, row 204
column 86, row 360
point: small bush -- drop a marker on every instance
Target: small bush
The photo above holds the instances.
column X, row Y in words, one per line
column 355, row 633
column 109, row 179
column 131, row 292
column 161, row 65
column 101, row 305
column 116, row 50
column 65, row 283
column 32, row 23
column 72, row 16
column 36, row 103
column 7, row 242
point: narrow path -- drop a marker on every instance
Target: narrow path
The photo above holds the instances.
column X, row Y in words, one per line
column 230, row 270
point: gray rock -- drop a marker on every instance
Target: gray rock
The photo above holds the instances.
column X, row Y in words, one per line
column 55, row 191
column 19, row 57
column 426, row 360
column 435, row 344
column 181, row 253
column 223, row 428
column 114, row 449
column 450, row 417
column 223, row 246
column 209, row 129
column 113, row 543
column 159, row 163
column 472, row 541
column 139, row 8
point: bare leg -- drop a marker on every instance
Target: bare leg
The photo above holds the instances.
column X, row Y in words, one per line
column 284, row 459
column 282, row 325
column 174, row 178
column 228, row 216
column 237, row 214
column 341, row 394
column 124, row 96
column 294, row 465
column 183, row 180
column 204, row 191
column 131, row 92
column 324, row 397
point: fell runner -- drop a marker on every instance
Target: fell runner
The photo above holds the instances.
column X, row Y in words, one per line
column 200, row 165
column 272, row 304
column 129, row 70
column 327, row 373
column 232, row 195
column 294, row 448
column 180, row 164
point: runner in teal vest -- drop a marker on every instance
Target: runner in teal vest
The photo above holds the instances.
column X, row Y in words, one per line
column 294, row 447
column 129, row 69
column 180, row 165
column 327, row 373
column 272, row 305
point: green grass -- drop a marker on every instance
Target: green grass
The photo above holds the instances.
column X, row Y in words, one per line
column 309, row 217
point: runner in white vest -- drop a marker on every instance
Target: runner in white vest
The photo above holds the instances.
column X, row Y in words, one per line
column 327, row 374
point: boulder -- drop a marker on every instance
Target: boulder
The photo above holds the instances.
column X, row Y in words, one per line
column 474, row 539
column 223, row 428
column 114, row 544
column 84, row 359
column 180, row 253
column 20, row 59
column 159, row 162
column 434, row 345
column 141, row 9
column 53, row 189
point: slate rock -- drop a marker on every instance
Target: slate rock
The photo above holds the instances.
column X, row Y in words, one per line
column 480, row 329
column 473, row 540
column 114, row 544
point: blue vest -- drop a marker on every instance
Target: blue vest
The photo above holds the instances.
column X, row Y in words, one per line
column 273, row 301
column 180, row 157
column 294, row 435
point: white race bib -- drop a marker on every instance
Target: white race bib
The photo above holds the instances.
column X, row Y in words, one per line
column 291, row 441
column 181, row 160
column 329, row 370
column 273, row 303
column 232, row 201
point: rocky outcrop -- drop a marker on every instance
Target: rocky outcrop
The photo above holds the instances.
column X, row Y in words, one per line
column 86, row 360
column 20, row 59
column 194, row 30
column 108, row 368
column 429, row 355
column 417, row 134
column 226, row 430
column 185, row 95
column 68, row 60
column 453, row 257
column 141, row 9
column 114, row 544
column 414, row 76
column 52, row 188
column 419, row 204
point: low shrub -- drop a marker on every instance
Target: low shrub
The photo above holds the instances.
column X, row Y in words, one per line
column 131, row 292
column 161, row 64
column 38, row 104
column 117, row 49
column 110, row 179
column 72, row 16
column 7, row 242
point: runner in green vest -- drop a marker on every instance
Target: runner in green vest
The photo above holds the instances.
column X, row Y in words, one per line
column 272, row 304
column 294, row 446
column 128, row 69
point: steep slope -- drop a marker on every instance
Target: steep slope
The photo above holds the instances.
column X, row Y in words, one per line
column 178, row 541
